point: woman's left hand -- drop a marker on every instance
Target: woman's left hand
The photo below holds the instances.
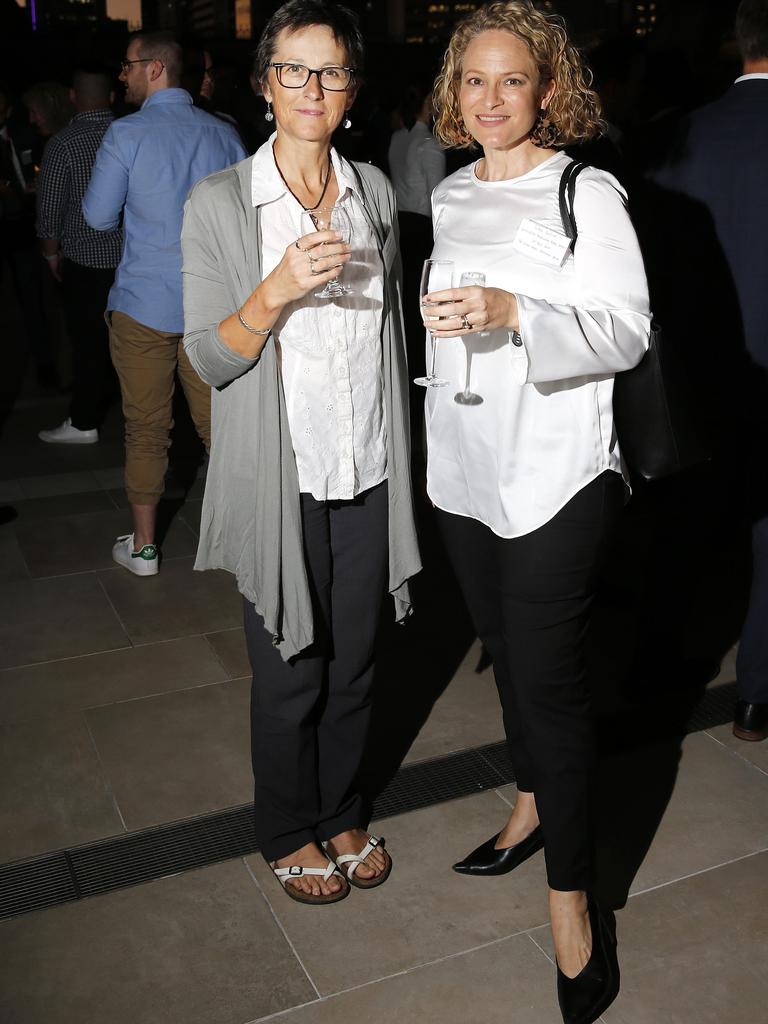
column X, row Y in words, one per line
column 460, row 311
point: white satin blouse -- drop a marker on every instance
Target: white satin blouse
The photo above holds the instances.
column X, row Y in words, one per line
column 545, row 427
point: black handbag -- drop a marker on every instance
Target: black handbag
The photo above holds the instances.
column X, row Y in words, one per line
column 652, row 411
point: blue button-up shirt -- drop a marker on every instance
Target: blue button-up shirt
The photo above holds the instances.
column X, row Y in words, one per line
column 144, row 168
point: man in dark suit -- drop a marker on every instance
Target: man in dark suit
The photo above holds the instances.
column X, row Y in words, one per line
column 720, row 165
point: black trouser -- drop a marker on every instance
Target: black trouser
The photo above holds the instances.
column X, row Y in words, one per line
column 310, row 715
column 529, row 599
column 94, row 383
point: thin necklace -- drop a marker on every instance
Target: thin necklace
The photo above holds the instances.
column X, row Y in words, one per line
column 307, row 209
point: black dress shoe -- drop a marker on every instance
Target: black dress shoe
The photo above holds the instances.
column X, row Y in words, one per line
column 584, row 998
column 750, row 721
column 487, row 860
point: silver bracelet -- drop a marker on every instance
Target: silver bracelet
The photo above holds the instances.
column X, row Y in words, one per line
column 251, row 330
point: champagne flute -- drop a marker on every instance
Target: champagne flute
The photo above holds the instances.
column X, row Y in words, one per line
column 329, row 218
column 436, row 276
column 467, row 397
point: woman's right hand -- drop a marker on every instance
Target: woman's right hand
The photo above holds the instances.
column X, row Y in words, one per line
column 308, row 263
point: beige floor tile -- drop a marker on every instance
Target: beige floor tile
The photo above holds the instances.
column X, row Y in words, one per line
column 176, row 602
column 10, row 491
column 229, row 645
column 177, row 755
column 58, row 483
column 198, row 948
column 424, row 911
column 718, row 811
column 754, row 753
column 696, row 951
column 52, row 790
column 45, row 691
column 190, row 512
column 89, row 539
column 664, row 816
column 44, row 620
column 12, row 564
column 509, row 982
column 467, row 713
column 56, row 506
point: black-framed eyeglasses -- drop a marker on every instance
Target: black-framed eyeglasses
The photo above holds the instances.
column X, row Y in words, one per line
column 125, row 64
column 296, row 76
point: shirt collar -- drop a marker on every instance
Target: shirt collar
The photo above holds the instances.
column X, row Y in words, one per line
column 168, row 96
column 754, row 74
column 267, row 185
column 93, row 115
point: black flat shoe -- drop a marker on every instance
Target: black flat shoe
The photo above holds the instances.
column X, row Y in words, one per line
column 487, row 860
column 584, row 998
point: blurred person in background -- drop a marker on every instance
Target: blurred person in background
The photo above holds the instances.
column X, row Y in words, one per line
column 82, row 259
column 145, row 166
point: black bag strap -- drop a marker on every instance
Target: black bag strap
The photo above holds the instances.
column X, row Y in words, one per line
column 566, row 193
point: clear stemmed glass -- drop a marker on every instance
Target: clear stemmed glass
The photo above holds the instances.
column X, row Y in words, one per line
column 467, row 397
column 329, row 218
column 436, row 276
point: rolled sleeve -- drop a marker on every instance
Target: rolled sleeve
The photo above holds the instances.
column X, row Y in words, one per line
column 107, row 190
column 207, row 301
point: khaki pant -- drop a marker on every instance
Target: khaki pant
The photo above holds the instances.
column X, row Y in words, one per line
column 146, row 361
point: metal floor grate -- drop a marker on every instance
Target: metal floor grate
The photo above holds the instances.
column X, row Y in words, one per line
column 111, row 864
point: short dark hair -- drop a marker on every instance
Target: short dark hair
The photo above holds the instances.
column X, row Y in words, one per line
column 298, row 14
column 92, row 84
column 162, row 46
column 752, row 29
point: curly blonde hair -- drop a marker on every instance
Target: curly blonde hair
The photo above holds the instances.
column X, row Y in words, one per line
column 573, row 114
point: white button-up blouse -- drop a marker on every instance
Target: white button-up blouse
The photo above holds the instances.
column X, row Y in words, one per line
column 329, row 349
column 544, row 428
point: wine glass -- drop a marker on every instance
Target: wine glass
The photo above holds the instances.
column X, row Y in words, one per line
column 329, row 218
column 436, row 276
column 467, row 397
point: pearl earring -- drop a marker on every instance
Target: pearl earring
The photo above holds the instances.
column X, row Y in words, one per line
column 269, row 116
column 347, row 123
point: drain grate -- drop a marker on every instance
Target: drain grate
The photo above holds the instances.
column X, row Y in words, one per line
column 111, row 864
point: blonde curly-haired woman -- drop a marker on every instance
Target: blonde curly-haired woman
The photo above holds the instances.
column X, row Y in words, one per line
column 526, row 477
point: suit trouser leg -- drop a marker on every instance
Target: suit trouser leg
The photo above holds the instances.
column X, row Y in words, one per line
column 309, row 715
column 360, row 552
column 752, row 658
column 545, row 580
column 84, row 298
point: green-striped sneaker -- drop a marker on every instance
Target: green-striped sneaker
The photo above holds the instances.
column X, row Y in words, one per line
column 144, row 562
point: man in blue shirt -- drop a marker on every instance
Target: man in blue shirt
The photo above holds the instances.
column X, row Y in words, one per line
column 144, row 168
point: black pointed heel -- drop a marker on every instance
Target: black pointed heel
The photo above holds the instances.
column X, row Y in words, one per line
column 584, row 998
column 487, row 860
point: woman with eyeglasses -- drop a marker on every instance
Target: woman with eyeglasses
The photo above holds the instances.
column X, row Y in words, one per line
column 308, row 494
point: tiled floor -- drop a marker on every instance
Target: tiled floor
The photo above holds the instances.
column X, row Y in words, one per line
column 124, row 704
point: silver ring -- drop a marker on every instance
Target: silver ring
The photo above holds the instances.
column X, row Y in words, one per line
column 465, row 322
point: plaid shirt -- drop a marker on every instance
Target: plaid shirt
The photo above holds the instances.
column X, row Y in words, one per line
column 64, row 175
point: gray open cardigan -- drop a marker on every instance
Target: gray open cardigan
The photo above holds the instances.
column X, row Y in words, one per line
column 251, row 522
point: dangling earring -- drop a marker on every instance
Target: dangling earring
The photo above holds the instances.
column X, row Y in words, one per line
column 269, row 116
column 544, row 133
column 346, row 123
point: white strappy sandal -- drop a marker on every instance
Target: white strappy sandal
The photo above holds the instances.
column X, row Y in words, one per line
column 354, row 860
column 284, row 875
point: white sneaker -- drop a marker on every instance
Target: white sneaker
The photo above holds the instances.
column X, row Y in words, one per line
column 67, row 434
column 144, row 562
